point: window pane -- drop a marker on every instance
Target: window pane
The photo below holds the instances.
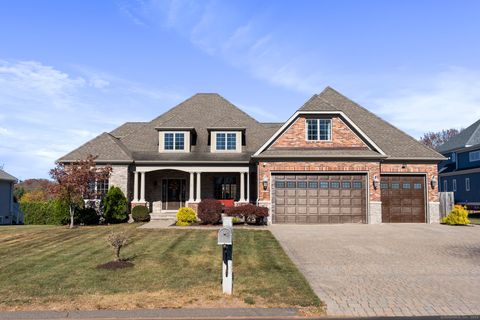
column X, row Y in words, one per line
column 279, row 184
column 313, row 184
column 335, row 185
column 179, row 141
column 291, row 184
column 407, row 186
column 312, row 129
column 346, row 185
column 395, row 185
column 417, row 186
column 220, row 141
column 301, row 184
column 231, row 141
column 383, row 185
column 168, row 141
column 324, row 184
column 325, row 126
column 357, row 185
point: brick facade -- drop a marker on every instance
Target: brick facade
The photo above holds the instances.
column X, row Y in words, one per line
column 295, row 137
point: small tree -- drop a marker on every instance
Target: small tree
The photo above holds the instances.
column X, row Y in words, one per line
column 117, row 240
column 436, row 139
column 74, row 181
column 114, row 205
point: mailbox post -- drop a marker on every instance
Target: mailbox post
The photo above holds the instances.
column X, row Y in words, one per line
column 225, row 239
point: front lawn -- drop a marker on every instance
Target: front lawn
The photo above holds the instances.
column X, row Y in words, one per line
column 46, row 267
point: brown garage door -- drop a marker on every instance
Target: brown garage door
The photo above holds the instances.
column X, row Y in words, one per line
column 403, row 198
column 319, row 198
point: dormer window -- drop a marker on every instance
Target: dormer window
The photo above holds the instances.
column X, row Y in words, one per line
column 174, row 141
column 226, row 141
column 319, row 129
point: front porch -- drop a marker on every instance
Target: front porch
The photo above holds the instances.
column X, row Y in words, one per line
column 166, row 189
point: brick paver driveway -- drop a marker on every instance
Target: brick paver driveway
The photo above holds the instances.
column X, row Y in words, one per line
column 389, row 269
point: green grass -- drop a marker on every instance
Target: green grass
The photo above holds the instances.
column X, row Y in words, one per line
column 45, row 267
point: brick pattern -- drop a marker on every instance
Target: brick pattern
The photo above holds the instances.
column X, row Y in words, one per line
column 295, row 137
column 119, row 178
column 430, row 169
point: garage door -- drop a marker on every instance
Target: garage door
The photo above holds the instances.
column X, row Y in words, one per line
column 319, row 198
column 403, row 198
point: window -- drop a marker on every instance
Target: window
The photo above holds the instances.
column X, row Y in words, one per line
column 383, row 185
column 467, row 184
column 319, row 129
column 335, row 185
column 279, row 184
column 407, row 186
column 346, row 185
column 226, row 187
column 291, row 184
column 454, row 157
column 417, row 186
column 395, row 185
column 324, row 184
column 454, row 185
column 302, row 184
column 357, row 185
column 474, row 156
column 445, row 185
column 97, row 189
column 226, row 141
column 313, row 184
column 174, row 141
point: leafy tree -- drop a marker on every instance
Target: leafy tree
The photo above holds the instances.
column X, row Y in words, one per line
column 36, row 196
column 114, row 205
column 73, row 182
column 18, row 192
column 436, row 139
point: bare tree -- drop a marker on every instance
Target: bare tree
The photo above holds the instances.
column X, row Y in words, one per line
column 436, row 139
column 117, row 240
column 73, row 181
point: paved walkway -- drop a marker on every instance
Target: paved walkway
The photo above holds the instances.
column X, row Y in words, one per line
column 389, row 269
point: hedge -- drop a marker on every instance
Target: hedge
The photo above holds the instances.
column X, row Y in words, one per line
column 45, row 212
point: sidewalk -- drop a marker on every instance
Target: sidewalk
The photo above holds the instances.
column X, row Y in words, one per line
column 237, row 313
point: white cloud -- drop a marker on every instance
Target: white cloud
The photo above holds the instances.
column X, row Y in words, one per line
column 46, row 112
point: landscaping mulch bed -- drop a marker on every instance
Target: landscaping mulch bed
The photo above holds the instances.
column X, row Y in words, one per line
column 113, row 265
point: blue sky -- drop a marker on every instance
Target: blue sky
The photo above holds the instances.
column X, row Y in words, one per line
column 70, row 70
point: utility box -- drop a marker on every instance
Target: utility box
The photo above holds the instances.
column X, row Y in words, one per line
column 225, row 236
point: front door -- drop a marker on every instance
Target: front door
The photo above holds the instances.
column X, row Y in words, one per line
column 173, row 193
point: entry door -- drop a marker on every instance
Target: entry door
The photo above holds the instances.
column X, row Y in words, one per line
column 173, row 194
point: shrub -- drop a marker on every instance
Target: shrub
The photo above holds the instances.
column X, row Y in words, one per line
column 45, row 212
column 210, row 211
column 87, row 216
column 250, row 213
column 117, row 240
column 114, row 206
column 186, row 216
column 140, row 214
column 458, row 216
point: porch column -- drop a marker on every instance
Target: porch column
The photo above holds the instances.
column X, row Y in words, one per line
column 242, row 187
column 248, row 187
column 135, row 186
column 142, row 187
column 191, row 196
column 199, row 192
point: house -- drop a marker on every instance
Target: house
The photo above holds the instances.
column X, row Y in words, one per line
column 9, row 212
column 333, row 161
column 460, row 172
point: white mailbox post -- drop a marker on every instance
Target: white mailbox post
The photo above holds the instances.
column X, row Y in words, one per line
column 225, row 239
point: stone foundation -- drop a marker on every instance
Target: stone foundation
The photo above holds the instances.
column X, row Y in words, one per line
column 433, row 212
column 375, row 212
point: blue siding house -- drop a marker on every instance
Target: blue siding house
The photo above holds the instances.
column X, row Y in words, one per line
column 460, row 173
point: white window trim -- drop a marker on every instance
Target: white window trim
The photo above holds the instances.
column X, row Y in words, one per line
column 174, row 139
column 477, row 155
column 238, row 142
column 318, row 129
column 454, row 185
column 467, row 184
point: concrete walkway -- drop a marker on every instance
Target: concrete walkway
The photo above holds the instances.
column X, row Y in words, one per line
column 389, row 269
column 238, row 313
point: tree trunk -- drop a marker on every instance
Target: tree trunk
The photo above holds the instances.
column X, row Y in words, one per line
column 72, row 213
column 117, row 253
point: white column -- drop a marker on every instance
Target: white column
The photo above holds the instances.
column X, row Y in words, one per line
column 191, row 196
column 199, row 191
column 242, row 187
column 135, row 186
column 142, row 187
column 248, row 187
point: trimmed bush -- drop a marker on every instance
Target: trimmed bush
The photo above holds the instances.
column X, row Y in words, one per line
column 186, row 216
column 140, row 214
column 250, row 213
column 458, row 216
column 45, row 212
column 210, row 211
column 87, row 216
column 114, row 206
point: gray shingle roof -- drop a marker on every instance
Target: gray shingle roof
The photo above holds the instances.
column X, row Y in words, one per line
column 394, row 142
column 468, row 137
column 6, row 176
column 126, row 129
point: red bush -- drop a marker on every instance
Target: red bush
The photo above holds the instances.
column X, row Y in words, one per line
column 210, row 211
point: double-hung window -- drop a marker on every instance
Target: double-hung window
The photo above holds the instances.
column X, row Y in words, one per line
column 319, row 129
column 474, row 156
column 226, row 141
column 174, row 141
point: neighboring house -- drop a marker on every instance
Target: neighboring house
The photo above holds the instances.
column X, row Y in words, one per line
column 460, row 173
column 9, row 211
column 332, row 162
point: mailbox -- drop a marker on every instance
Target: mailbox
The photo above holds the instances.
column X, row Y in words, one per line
column 225, row 236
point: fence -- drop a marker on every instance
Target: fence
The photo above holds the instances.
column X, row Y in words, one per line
column 446, row 203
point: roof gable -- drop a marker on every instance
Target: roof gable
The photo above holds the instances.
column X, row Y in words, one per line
column 5, row 176
column 466, row 138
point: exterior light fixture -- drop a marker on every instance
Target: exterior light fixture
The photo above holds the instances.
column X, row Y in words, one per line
column 375, row 181
column 433, row 182
column 265, row 183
